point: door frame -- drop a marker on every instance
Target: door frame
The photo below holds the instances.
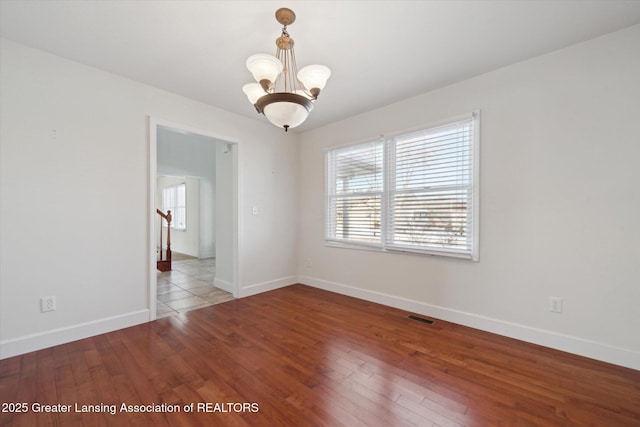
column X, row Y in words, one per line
column 154, row 122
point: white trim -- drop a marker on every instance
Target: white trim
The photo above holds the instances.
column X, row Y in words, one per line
column 270, row 285
column 475, row 197
column 571, row 344
column 151, row 248
column 223, row 284
column 41, row 340
column 238, row 210
column 179, row 127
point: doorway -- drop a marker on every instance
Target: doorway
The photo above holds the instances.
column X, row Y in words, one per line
column 195, row 156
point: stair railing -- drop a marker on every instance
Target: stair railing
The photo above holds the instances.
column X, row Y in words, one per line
column 165, row 264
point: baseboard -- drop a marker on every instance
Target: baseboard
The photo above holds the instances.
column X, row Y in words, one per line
column 207, row 255
column 39, row 341
column 258, row 288
column 223, row 284
column 570, row 344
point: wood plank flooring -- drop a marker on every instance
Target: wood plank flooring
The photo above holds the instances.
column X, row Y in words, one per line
column 300, row 356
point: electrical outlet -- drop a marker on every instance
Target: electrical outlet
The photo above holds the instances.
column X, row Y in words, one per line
column 47, row 304
column 555, row 304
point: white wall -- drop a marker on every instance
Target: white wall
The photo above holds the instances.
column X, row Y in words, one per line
column 225, row 273
column 74, row 181
column 559, row 204
column 273, row 228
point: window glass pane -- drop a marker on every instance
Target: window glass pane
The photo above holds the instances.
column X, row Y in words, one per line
column 431, row 197
column 356, row 218
column 355, row 193
column 181, row 195
column 358, row 169
column 433, row 157
column 174, row 200
column 431, row 219
column 180, row 207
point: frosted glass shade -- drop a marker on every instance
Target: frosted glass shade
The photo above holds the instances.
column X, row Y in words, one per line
column 253, row 91
column 287, row 114
column 314, row 76
column 285, row 109
column 264, row 67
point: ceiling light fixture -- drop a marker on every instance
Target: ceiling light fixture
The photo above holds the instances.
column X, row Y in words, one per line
column 282, row 93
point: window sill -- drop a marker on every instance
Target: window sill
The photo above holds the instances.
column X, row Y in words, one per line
column 401, row 251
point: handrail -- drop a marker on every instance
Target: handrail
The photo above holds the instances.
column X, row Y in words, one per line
column 167, row 218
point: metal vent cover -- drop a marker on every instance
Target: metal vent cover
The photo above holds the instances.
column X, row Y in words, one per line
column 421, row 319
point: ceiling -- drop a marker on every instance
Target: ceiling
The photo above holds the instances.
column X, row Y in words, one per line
column 379, row 51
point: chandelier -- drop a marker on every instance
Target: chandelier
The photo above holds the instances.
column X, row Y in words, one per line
column 282, row 93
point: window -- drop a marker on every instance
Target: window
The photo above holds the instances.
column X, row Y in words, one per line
column 355, row 193
column 174, row 199
column 412, row 192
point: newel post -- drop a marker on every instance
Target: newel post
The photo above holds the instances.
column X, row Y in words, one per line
column 168, row 218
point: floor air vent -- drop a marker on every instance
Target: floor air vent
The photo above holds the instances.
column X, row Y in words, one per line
column 421, row 319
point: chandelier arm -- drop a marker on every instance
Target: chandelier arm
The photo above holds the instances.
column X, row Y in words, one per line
column 291, row 71
column 274, row 87
column 294, row 73
column 265, row 84
column 287, row 57
column 285, row 73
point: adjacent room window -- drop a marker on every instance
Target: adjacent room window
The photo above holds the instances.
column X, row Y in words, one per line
column 174, row 199
column 411, row 192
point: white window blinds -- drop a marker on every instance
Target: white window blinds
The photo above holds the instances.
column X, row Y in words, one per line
column 355, row 193
column 415, row 192
column 430, row 190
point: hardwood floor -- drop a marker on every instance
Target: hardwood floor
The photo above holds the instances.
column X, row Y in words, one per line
column 299, row 356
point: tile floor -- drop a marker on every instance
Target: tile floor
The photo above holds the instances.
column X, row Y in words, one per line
column 188, row 286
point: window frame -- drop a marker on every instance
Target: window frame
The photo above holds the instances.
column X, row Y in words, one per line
column 166, row 206
column 329, row 195
column 389, row 171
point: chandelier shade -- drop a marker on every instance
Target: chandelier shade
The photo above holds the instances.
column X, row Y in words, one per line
column 289, row 112
column 284, row 95
column 314, row 76
column 253, row 91
column 264, row 67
